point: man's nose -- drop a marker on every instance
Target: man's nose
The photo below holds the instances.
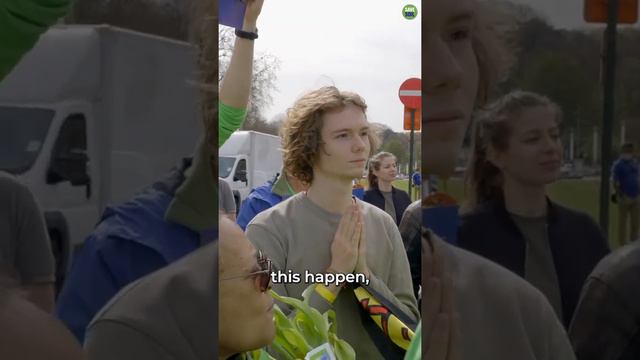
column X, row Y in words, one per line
column 359, row 144
column 440, row 66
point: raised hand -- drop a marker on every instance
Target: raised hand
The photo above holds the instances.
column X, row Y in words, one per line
column 440, row 321
column 254, row 7
column 344, row 248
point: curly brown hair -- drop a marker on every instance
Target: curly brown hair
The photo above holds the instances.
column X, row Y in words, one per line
column 301, row 131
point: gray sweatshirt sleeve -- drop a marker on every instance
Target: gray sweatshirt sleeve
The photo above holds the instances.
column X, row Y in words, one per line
column 274, row 248
column 271, row 245
column 117, row 340
column 34, row 259
column 398, row 289
column 548, row 334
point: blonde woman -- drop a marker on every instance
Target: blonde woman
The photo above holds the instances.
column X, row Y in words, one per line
column 381, row 192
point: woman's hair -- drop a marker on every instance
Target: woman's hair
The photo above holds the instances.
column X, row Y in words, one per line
column 374, row 165
column 203, row 32
column 301, row 130
column 492, row 128
column 491, row 49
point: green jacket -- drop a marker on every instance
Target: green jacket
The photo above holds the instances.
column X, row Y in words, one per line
column 21, row 24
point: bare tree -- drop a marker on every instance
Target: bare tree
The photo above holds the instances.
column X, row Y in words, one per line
column 265, row 68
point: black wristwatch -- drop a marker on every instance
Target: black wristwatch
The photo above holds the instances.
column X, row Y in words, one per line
column 247, row 34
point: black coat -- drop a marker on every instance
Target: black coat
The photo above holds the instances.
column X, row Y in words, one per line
column 400, row 200
column 576, row 242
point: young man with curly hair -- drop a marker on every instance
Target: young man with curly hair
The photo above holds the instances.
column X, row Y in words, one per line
column 326, row 142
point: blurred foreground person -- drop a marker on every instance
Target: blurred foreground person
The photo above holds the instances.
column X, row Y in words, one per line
column 606, row 324
column 493, row 313
column 177, row 214
column 176, row 313
column 25, row 248
column 28, row 333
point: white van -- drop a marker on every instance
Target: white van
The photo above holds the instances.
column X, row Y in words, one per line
column 91, row 115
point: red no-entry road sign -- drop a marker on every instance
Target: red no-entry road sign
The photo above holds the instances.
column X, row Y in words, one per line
column 411, row 93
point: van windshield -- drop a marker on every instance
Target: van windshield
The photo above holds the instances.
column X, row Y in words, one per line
column 225, row 166
column 22, row 133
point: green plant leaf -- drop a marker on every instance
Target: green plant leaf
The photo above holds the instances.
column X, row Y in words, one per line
column 330, row 321
column 344, row 351
column 281, row 320
column 283, row 352
column 314, row 315
column 306, row 329
column 306, row 294
column 341, row 348
column 295, row 338
column 260, row 354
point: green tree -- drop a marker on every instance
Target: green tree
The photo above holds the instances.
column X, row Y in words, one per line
column 399, row 149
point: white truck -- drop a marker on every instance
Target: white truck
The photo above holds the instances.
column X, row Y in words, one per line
column 249, row 159
column 91, row 115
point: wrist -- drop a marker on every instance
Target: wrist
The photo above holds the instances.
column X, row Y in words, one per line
column 364, row 270
column 249, row 26
column 331, row 287
column 334, row 270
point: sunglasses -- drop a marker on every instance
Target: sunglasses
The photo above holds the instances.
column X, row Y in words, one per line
column 262, row 277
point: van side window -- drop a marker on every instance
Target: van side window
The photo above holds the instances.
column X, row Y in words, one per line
column 241, row 171
column 69, row 158
column 72, row 137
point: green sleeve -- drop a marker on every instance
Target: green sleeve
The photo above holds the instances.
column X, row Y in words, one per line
column 229, row 120
column 21, row 23
column 415, row 349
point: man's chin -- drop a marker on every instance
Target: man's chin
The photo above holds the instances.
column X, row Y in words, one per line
column 440, row 158
column 440, row 161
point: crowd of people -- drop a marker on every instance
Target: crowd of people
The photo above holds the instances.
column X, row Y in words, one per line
column 170, row 271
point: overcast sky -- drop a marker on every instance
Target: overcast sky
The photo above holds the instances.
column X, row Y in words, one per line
column 361, row 45
column 560, row 13
column 364, row 46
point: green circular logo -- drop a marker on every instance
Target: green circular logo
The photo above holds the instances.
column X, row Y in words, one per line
column 410, row 12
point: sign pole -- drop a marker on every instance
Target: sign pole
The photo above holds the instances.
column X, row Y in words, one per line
column 413, row 127
column 410, row 94
column 609, row 113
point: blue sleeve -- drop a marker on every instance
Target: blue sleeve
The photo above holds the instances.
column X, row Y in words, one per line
column 417, row 179
column 615, row 171
column 87, row 288
column 251, row 207
column 100, row 270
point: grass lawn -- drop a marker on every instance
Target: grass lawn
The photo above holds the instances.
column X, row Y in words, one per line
column 403, row 185
column 398, row 184
column 578, row 194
